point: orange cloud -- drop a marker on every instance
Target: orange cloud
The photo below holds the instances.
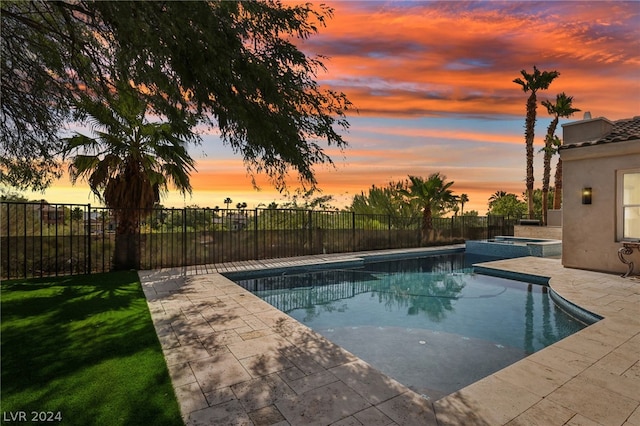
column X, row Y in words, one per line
column 429, row 58
column 410, row 66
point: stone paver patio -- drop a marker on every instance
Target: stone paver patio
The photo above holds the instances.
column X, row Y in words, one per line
column 236, row 360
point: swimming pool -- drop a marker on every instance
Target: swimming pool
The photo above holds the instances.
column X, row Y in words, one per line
column 431, row 323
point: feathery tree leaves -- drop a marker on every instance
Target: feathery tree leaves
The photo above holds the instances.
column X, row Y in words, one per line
column 227, row 65
column 388, row 201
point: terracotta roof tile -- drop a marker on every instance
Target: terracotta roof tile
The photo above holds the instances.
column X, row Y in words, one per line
column 623, row 130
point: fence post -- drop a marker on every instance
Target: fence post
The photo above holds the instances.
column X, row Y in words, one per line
column 353, row 231
column 88, row 231
column 184, row 236
column 452, row 227
column 255, row 233
column 311, row 251
column 25, row 239
column 488, row 227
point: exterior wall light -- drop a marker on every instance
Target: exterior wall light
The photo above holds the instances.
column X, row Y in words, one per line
column 586, row 195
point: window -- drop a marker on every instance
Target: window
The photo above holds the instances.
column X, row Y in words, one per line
column 629, row 204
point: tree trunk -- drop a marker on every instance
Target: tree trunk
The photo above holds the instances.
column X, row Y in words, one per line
column 427, row 224
column 545, row 206
column 530, row 124
column 126, row 253
column 557, row 194
column 546, row 175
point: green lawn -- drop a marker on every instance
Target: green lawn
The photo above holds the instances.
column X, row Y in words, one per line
column 83, row 347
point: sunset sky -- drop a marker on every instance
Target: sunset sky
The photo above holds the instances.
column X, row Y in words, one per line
column 432, row 83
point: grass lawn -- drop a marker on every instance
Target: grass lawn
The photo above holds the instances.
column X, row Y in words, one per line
column 83, row 347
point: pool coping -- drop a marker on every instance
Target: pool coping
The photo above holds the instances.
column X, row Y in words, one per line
column 567, row 306
column 593, row 375
column 360, row 260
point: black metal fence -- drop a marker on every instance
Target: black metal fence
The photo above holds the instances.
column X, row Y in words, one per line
column 41, row 239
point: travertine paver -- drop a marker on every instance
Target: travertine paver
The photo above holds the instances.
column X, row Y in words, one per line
column 323, row 405
column 491, row 400
column 236, row 360
column 365, row 380
column 372, row 417
column 409, row 409
column 543, row 413
column 602, row 405
column 228, row 371
column 262, row 392
column 593, row 395
column 540, row 379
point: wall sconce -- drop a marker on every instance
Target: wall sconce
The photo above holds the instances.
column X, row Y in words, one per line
column 586, row 195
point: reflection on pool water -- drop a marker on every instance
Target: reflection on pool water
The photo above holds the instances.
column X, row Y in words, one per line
column 430, row 323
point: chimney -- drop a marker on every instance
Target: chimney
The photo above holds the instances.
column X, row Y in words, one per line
column 586, row 130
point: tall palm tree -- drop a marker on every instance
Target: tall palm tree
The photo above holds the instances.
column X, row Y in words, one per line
column 431, row 196
column 562, row 107
column 129, row 163
column 464, row 198
column 538, row 80
column 228, row 201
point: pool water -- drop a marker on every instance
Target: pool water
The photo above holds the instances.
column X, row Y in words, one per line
column 430, row 323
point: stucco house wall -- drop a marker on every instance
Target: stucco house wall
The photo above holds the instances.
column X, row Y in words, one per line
column 545, row 232
column 592, row 159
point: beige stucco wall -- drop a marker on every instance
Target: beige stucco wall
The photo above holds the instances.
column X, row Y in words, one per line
column 545, row 232
column 589, row 231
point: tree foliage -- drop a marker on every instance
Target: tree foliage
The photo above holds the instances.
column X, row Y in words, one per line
column 429, row 195
column 463, row 199
column 129, row 163
column 562, row 107
column 388, row 201
column 306, row 201
column 381, row 200
column 506, row 204
column 538, row 201
column 228, row 65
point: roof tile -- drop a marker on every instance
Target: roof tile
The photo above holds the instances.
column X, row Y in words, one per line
column 623, row 130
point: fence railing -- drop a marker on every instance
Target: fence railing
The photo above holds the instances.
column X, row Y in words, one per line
column 41, row 239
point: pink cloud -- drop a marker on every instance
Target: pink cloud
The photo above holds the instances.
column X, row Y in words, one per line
column 432, row 58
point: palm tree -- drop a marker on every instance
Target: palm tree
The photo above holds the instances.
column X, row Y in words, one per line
column 228, row 201
column 497, row 195
column 431, row 196
column 464, row 198
column 507, row 205
column 129, row 164
column 538, row 80
column 561, row 108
